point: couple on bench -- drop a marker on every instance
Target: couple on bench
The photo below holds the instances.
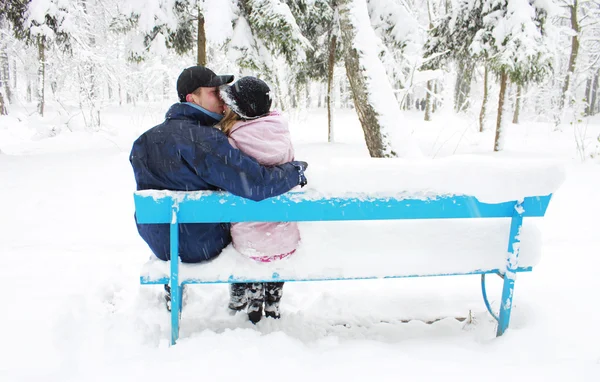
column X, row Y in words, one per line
column 222, row 137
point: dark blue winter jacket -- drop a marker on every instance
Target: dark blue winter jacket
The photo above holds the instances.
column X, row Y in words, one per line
column 185, row 153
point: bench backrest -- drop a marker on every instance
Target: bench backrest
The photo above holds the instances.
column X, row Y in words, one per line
column 210, row 207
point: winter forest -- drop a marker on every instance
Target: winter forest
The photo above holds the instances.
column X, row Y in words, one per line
column 413, row 101
column 497, row 61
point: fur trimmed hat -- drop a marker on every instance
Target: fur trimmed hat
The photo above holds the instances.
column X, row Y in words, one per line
column 248, row 97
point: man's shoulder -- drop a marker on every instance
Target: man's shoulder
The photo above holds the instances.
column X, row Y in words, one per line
column 190, row 131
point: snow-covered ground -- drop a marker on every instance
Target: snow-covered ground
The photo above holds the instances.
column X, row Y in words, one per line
column 73, row 310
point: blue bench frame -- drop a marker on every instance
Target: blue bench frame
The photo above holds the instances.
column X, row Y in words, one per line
column 174, row 208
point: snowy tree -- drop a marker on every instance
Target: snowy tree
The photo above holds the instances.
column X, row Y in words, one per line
column 573, row 11
column 4, row 69
column 590, row 26
column 396, row 23
column 374, row 98
column 178, row 24
column 450, row 40
column 318, row 21
column 515, row 42
column 332, row 58
column 267, row 40
column 583, row 31
column 40, row 23
column 88, row 62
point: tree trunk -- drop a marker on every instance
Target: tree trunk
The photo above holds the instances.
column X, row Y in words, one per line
column 430, row 85
column 594, row 93
column 166, row 86
column 309, row 95
column 330, row 67
column 201, row 40
column 29, row 94
column 5, row 72
column 457, row 86
column 4, row 85
column 88, row 84
column 517, row 105
column 428, row 100
column 465, row 87
column 344, row 98
column 485, row 100
column 91, row 93
column 588, row 95
column 462, row 86
column 41, row 74
column 574, row 52
column 14, row 80
column 366, row 75
column 499, row 141
column 434, row 103
column 3, row 110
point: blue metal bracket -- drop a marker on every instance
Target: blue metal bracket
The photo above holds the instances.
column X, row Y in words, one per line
column 485, row 298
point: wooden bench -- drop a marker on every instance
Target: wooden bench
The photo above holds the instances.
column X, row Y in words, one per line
column 174, row 208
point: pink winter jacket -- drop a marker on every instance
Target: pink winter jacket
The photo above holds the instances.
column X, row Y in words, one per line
column 267, row 139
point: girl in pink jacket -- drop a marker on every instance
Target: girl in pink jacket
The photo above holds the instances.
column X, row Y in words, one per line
column 264, row 135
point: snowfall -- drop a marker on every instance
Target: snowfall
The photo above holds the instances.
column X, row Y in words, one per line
column 73, row 309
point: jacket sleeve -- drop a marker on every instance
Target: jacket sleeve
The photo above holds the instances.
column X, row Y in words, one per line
column 220, row 164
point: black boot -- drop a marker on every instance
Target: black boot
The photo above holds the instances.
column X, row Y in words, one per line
column 168, row 296
column 273, row 293
column 237, row 296
column 256, row 298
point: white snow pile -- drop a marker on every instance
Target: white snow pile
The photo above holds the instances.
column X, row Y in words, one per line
column 490, row 180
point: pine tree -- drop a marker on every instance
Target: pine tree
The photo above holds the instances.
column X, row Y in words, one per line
column 450, row 40
column 515, row 44
column 319, row 22
column 39, row 24
column 4, row 70
column 274, row 25
column 178, row 24
column 396, row 24
column 583, row 32
column 573, row 10
column 267, row 39
column 315, row 21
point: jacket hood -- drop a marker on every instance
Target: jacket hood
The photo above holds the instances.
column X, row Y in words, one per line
column 271, row 120
column 266, row 139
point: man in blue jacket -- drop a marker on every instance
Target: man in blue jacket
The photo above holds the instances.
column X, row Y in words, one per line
column 186, row 152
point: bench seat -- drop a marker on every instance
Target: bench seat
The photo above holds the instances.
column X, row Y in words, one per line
column 370, row 249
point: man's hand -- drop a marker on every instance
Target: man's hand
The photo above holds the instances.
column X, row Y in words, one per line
column 301, row 167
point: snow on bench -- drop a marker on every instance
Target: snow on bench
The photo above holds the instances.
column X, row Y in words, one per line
column 446, row 221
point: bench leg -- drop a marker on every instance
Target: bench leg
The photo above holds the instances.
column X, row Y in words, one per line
column 175, row 312
column 506, row 302
column 174, row 280
column 512, row 261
